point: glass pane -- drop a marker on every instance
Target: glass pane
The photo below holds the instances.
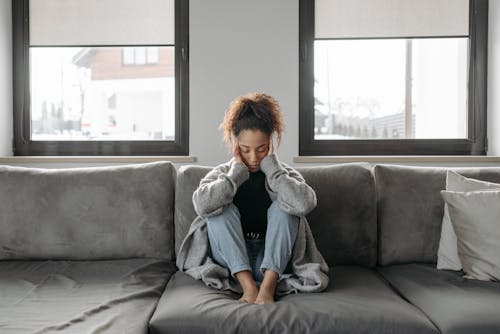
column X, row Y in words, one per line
column 128, row 56
column 390, row 88
column 140, row 56
column 152, row 55
column 90, row 94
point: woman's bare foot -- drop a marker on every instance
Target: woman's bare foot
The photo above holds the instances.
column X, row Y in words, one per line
column 249, row 296
column 250, row 290
column 264, row 297
column 267, row 288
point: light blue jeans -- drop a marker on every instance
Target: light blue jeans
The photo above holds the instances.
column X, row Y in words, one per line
column 232, row 250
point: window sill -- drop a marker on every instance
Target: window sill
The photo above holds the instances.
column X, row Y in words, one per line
column 398, row 159
column 95, row 159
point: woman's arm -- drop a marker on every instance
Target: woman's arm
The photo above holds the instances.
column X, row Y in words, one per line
column 295, row 196
column 218, row 187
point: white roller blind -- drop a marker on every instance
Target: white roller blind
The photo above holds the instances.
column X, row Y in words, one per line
column 391, row 18
column 101, row 22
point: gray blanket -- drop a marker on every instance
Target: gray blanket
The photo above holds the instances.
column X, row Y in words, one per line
column 216, row 191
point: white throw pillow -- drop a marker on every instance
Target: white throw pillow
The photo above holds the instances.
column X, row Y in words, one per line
column 475, row 216
column 447, row 253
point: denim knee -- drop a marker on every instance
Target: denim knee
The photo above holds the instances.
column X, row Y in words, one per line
column 226, row 240
column 274, row 208
column 230, row 214
column 276, row 214
column 281, row 233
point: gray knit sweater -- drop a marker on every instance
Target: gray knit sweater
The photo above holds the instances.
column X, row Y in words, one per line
column 295, row 196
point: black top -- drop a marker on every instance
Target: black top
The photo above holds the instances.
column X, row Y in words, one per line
column 252, row 200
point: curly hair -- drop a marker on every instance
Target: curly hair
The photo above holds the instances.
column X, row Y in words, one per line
column 254, row 111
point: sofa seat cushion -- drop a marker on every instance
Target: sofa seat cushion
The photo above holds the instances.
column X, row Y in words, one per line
column 358, row 302
column 116, row 296
column 455, row 304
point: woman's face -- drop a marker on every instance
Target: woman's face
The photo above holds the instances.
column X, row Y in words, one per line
column 253, row 145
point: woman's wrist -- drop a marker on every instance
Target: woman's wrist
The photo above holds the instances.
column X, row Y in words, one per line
column 270, row 164
column 238, row 172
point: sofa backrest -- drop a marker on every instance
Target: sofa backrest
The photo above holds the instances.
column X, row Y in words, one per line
column 87, row 213
column 188, row 180
column 343, row 223
column 410, row 210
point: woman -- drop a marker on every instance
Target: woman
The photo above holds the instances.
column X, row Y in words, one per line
column 254, row 209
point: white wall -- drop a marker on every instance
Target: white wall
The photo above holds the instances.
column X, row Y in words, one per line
column 241, row 46
column 6, row 118
column 494, row 78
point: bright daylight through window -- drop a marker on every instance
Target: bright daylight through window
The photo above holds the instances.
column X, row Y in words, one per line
column 390, row 88
column 101, row 77
column 384, row 77
column 102, row 93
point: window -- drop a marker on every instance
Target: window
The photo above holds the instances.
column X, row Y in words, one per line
column 100, row 77
column 382, row 79
column 140, row 55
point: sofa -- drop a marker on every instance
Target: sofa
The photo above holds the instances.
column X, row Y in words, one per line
column 92, row 250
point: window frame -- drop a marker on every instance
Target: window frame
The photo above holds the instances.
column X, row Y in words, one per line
column 475, row 144
column 24, row 146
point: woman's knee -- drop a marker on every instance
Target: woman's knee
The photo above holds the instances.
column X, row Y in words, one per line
column 275, row 210
column 276, row 214
column 229, row 215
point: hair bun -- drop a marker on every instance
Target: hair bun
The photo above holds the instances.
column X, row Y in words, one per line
column 247, row 108
column 253, row 111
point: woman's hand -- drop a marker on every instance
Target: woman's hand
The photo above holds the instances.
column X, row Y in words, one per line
column 271, row 147
column 236, row 151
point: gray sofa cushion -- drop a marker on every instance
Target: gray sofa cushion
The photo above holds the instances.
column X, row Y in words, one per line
column 410, row 210
column 455, row 304
column 359, row 302
column 447, row 256
column 188, row 179
column 476, row 221
column 117, row 296
column 343, row 223
column 87, row 213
